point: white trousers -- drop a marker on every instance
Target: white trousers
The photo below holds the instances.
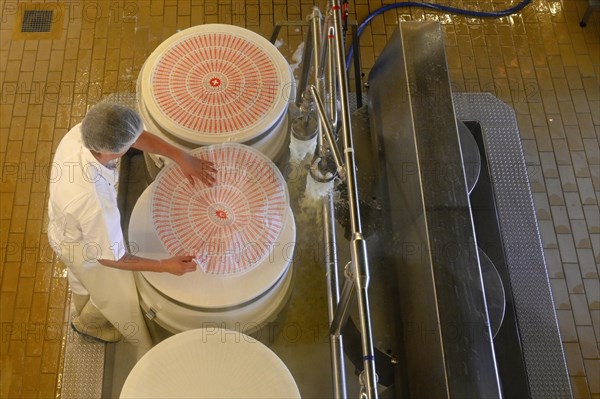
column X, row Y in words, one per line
column 113, row 292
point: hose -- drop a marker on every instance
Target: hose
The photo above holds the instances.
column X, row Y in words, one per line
column 437, row 7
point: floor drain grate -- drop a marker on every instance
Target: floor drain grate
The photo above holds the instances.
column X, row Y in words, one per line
column 37, row 21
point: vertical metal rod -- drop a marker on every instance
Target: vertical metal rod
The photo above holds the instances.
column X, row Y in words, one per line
column 275, row 33
column 336, row 341
column 306, row 61
column 331, row 84
column 357, row 70
column 345, row 120
column 317, row 43
column 336, row 345
column 358, row 244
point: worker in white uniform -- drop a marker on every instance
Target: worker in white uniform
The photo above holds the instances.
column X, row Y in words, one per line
column 84, row 222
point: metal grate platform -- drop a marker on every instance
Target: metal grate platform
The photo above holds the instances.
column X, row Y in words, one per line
column 83, row 368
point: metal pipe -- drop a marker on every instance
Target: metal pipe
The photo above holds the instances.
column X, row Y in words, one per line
column 316, row 20
column 306, row 61
column 361, row 270
column 357, row 70
column 323, row 57
column 342, row 80
column 331, row 84
column 336, row 341
column 275, row 33
column 358, row 247
column 328, row 215
column 336, row 345
column 342, row 310
column 328, row 131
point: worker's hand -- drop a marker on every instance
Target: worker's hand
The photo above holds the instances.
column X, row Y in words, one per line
column 196, row 168
column 179, row 265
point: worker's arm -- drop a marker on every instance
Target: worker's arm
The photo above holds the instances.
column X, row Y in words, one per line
column 177, row 265
column 99, row 224
column 191, row 166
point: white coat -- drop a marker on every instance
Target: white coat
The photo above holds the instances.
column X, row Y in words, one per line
column 84, row 226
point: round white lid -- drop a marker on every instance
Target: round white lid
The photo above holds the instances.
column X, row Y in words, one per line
column 210, row 363
column 213, row 83
column 272, row 144
column 204, row 290
column 230, row 226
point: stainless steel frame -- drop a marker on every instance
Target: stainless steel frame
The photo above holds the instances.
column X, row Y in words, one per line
column 357, row 281
column 333, row 298
column 327, row 130
column 358, row 246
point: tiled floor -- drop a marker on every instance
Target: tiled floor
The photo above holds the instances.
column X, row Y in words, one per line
column 541, row 62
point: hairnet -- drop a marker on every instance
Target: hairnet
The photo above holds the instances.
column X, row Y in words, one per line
column 110, row 128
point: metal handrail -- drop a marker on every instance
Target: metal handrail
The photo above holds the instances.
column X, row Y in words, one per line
column 328, row 55
column 336, row 343
column 336, row 346
column 358, row 246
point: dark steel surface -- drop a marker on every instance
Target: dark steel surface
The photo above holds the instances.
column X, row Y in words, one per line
column 495, row 298
column 530, row 353
column 539, row 371
column 509, row 354
column 471, row 159
column 446, row 344
column 357, row 71
column 384, row 301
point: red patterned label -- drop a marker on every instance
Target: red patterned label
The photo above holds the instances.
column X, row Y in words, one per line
column 229, row 227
